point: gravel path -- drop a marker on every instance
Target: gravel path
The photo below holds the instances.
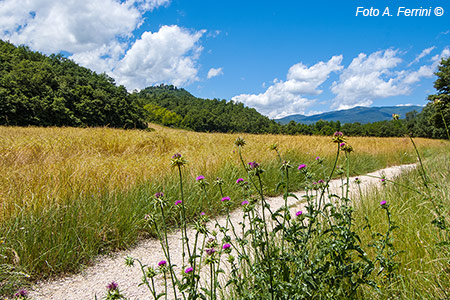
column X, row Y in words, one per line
column 93, row 280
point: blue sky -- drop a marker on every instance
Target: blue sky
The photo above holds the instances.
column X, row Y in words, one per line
column 281, row 57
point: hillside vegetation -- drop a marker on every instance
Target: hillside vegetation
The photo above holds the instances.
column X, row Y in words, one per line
column 41, row 90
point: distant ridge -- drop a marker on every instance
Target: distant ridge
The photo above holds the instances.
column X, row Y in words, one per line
column 359, row 114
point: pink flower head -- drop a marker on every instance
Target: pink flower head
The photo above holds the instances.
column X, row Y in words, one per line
column 225, row 199
column 162, row 263
column 299, row 213
column 159, row 195
column 302, row 166
column 342, row 144
column 201, row 177
column 318, row 157
column 382, row 203
column 188, row 270
column 176, row 155
column 245, row 202
column 178, row 202
column 226, row 246
column 320, row 181
column 210, row 251
column 112, row 286
column 239, row 180
column 202, row 213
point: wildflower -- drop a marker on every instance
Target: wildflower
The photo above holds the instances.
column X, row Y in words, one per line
column 342, row 145
column 299, row 213
column 338, row 137
column 188, row 270
column 224, row 199
column 112, row 286
column 226, row 246
column 239, row 180
column 382, row 203
column 318, row 158
column 302, row 166
column 321, row 181
column 245, row 202
column 162, row 263
column 253, row 165
column 210, row 251
column 202, row 213
column 201, row 177
column 178, row 202
column 177, row 160
column 240, row 142
column 159, row 195
column 218, row 181
column 21, row 293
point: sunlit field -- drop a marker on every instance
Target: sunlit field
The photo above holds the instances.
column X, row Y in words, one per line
column 69, row 194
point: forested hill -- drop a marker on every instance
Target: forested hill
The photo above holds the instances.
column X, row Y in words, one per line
column 41, row 90
column 173, row 106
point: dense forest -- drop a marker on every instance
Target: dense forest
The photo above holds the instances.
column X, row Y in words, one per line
column 41, row 90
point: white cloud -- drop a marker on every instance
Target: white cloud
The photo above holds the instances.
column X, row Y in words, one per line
column 168, row 56
column 288, row 97
column 424, row 53
column 213, row 72
column 72, row 25
column 99, row 35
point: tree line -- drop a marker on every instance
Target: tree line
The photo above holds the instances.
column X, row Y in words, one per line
column 41, row 90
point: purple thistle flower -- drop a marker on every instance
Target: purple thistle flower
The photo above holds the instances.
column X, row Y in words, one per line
column 210, row 251
column 202, row 213
column 176, row 155
column 253, row 165
column 226, row 246
column 338, row 134
column 318, row 157
column 162, row 263
column 201, row 177
column 321, row 181
column 225, row 199
column 21, row 293
column 382, row 203
column 112, row 286
column 245, row 202
column 302, row 166
column 159, row 195
column 383, row 180
column 239, row 180
column 342, row 144
column 299, row 213
column 178, row 202
column 188, row 270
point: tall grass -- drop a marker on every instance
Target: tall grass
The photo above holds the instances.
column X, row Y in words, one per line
column 424, row 262
column 69, row 194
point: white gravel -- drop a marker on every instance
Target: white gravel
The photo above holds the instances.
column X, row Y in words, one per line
column 93, row 280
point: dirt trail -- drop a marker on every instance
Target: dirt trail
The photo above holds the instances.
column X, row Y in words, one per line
column 93, row 280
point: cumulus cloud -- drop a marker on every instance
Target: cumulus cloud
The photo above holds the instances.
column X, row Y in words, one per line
column 283, row 98
column 169, row 55
column 72, row 25
column 376, row 76
column 213, row 72
column 99, row 35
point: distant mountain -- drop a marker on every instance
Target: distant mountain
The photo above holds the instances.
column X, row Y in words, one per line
column 359, row 114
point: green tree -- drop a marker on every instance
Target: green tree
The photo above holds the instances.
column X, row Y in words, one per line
column 441, row 115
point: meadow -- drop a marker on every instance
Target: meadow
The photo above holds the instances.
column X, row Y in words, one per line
column 70, row 194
